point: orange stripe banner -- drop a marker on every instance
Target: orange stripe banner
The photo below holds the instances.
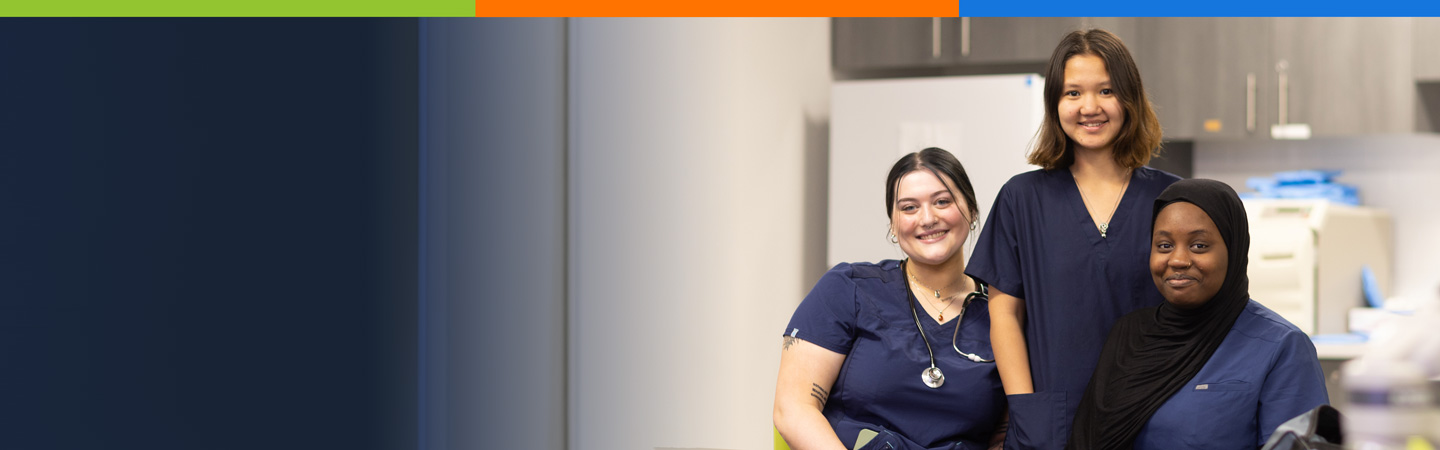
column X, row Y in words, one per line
column 730, row 8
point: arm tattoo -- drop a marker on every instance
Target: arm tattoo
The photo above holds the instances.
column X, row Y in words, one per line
column 817, row 397
column 789, row 341
column 819, row 393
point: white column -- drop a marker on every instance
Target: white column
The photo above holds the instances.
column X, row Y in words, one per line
column 696, row 221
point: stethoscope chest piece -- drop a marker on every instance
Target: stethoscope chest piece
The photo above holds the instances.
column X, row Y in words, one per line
column 932, row 377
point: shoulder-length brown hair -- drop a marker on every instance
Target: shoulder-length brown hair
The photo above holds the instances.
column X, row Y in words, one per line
column 1139, row 137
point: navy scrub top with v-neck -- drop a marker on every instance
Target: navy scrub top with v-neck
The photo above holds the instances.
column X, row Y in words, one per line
column 1264, row 373
column 1040, row 244
column 862, row 311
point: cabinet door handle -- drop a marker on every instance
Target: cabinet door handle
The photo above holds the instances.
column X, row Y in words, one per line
column 964, row 36
column 935, row 42
column 1250, row 102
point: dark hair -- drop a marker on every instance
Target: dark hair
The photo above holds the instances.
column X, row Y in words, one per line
column 940, row 163
column 1139, row 138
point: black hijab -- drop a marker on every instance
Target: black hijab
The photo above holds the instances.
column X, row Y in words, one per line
column 1154, row 352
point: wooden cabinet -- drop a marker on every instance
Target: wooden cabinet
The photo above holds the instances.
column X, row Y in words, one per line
column 1343, row 75
column 1426, row 49
column 891, row 43
column 1010, row 39
column 1215, row 77
column 1426, row 54
column 1204, row 75
column 886, row 43
column 1002, row 40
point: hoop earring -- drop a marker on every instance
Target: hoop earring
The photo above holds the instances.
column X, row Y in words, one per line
column 972, row 226
column 893, row 239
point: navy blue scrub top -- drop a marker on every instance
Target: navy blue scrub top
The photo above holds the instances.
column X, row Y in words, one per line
column 1264, row 373
column 1040, row 244
column 862, row 311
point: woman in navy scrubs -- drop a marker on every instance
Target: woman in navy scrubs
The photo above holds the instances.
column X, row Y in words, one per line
column 896, row 354
column 1064, row 248
column 1209, row 368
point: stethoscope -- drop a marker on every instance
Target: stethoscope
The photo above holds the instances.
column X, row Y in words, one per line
column 932, row 376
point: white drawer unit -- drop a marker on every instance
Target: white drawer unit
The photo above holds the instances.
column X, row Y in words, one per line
column 1306, row 259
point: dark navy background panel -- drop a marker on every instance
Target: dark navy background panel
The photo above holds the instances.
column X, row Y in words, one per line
column 208, row 233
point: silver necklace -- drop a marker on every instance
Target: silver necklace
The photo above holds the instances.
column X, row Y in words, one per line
column 1105, row 226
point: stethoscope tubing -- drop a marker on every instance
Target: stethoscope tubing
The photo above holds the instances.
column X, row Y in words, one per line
column 982, row 293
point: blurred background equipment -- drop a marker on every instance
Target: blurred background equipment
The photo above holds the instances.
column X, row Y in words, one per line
column 1307, row 257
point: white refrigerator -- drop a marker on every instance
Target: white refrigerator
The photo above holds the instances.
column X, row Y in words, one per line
column 987, row 121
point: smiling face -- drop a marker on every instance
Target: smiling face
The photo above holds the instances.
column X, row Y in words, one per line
column 928, row 219
column 1188, row 258
column 1089, row 110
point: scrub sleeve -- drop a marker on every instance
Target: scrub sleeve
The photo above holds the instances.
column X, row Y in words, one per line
column 862, row 311
column 1039, row 244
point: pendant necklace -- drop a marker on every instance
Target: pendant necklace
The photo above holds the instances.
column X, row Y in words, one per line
column 1105, row 226
column 950, row 301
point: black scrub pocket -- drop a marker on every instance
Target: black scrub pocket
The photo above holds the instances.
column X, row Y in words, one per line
column 1037, row 421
